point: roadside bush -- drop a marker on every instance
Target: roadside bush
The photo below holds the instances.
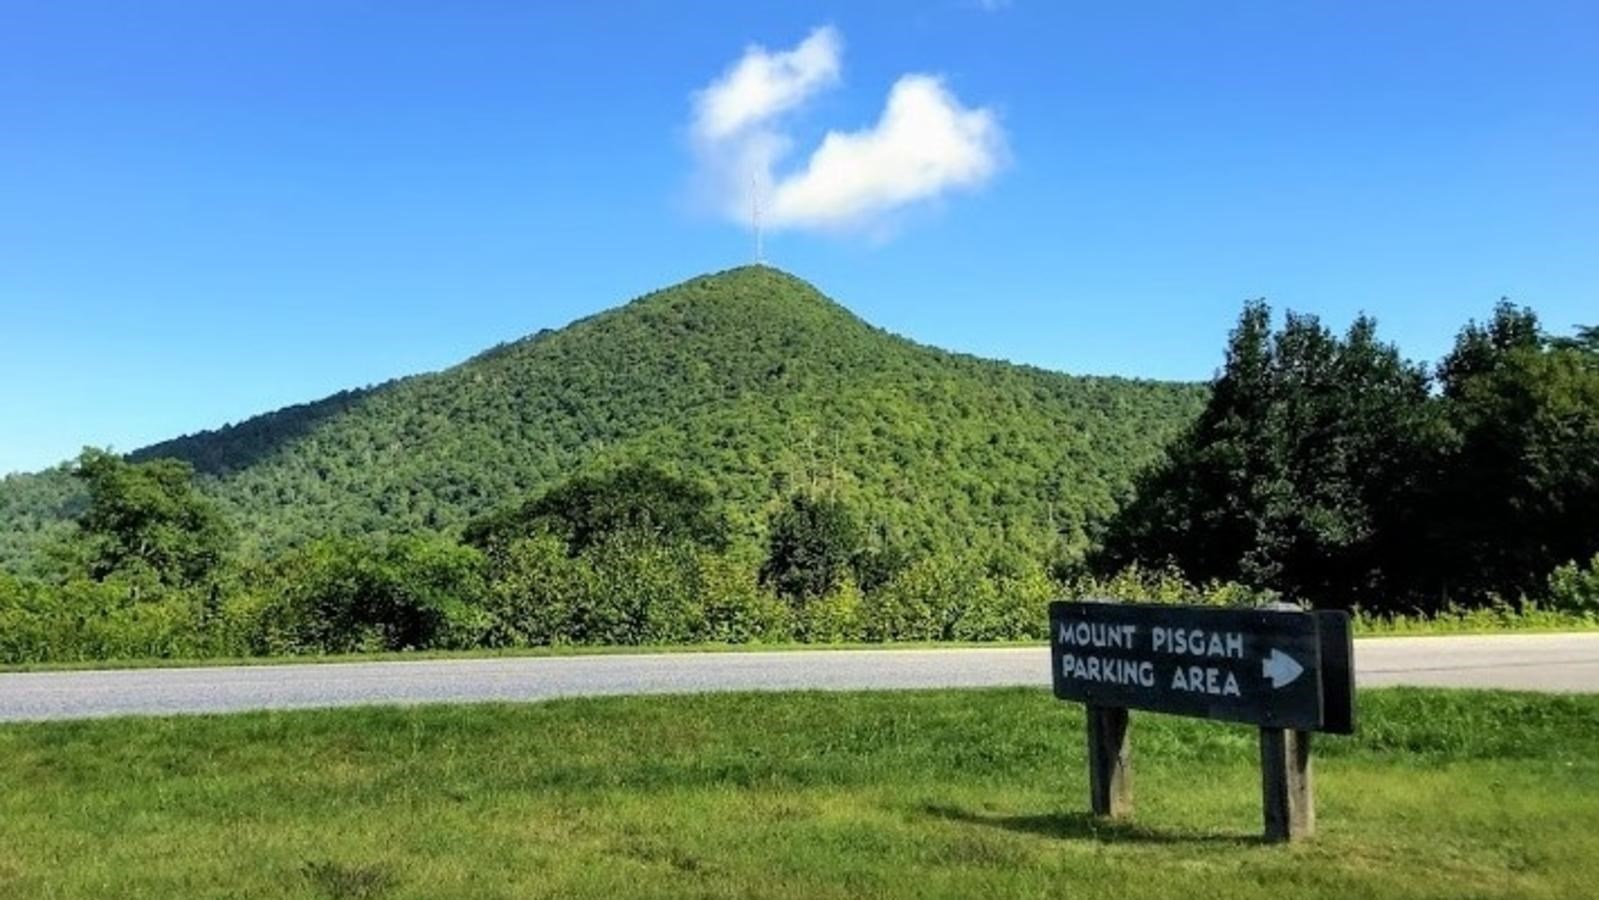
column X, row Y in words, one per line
column 532, row 587
column 1012, row 604
column 84, row 619
column 921, row 603
column 631, row 588
column 1499, row 616
column 261, row 620
column 737, row 610
column 640, row 592
column 950, row 598
column 813, row 544
column 342, row 596
column 834, row 616
column 1574, row 589
column 588, row 509
column 1137, row 584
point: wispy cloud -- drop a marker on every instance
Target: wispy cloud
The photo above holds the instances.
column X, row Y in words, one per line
column 925, row 144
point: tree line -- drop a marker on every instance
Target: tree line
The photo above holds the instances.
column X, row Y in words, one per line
column 1332, row 471
column 633, row 556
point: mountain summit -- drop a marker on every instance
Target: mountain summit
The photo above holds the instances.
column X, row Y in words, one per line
column 749, row 380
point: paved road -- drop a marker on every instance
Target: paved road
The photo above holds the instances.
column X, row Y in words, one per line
column 1557, row 662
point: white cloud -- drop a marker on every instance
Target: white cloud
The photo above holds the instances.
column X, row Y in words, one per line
column 925, row 144
column 763, row 84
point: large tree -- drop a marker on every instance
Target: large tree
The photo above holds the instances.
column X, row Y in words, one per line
column 815, row 541
column 1304, row 453
column 588, row 509
column 148, row 518
column 1521, row 492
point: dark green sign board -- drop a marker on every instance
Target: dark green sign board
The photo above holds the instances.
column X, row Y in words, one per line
column 1269, row 667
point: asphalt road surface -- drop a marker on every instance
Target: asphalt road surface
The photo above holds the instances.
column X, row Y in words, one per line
column 1545, row 662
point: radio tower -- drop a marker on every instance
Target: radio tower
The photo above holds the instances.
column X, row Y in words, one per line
column 755, row 217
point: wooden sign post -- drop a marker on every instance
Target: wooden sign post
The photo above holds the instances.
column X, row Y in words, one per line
column 1288, row 671
column 1110, row 770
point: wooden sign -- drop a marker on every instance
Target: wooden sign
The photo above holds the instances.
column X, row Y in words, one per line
column 1281, row 668
column 1261, row 666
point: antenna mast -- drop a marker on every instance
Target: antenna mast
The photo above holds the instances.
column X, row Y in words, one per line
column 755, row 217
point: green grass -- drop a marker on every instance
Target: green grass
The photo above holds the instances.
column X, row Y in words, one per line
column 948, row 793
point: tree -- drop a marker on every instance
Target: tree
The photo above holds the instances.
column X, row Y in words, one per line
column 1480, row 350
column 1288, row 476
column 589, row 509
column 813, row 545
column 147, row 517
column 1520, row 495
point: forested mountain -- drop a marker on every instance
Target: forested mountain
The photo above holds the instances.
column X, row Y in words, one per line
column 749, row 381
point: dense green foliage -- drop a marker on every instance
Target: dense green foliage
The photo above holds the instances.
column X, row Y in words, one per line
column 1286, row 478
column 1575, row 589
column 148, row 519
column 812, row 544
column 1330, row 470
column 590, row 509
column 540, row 586
column 1518, row 478
column 339, row 595
column 530, row 581
column 749, row 381
column 36, row 510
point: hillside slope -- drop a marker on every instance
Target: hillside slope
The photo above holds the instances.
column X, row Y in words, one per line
column 750, row 380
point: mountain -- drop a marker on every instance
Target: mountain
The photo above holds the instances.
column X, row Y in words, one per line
column 749, row 380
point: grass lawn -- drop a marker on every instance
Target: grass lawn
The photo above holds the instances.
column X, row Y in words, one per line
column 941, row 793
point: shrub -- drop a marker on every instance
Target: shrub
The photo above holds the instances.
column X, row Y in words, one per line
column 921, row 603
column 954, row 598
column 84, row 619
column 1013, row 604
column 587, row 510
column 641, row 592
column 1137, row 584
column 813, row 545
column 341, row 596
column 832, row 617
column 1574, row 589
column 737, row 610
column 531, row 591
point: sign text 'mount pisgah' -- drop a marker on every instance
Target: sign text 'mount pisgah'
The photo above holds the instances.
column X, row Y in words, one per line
column 1261, row 666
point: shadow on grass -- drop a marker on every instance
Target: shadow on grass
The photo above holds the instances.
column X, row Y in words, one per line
column 1085, row 827
column 338, row 881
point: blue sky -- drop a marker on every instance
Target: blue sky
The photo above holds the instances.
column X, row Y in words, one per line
column 208, row 210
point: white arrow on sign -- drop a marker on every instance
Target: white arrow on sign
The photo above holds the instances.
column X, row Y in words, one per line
column 1281, row 668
